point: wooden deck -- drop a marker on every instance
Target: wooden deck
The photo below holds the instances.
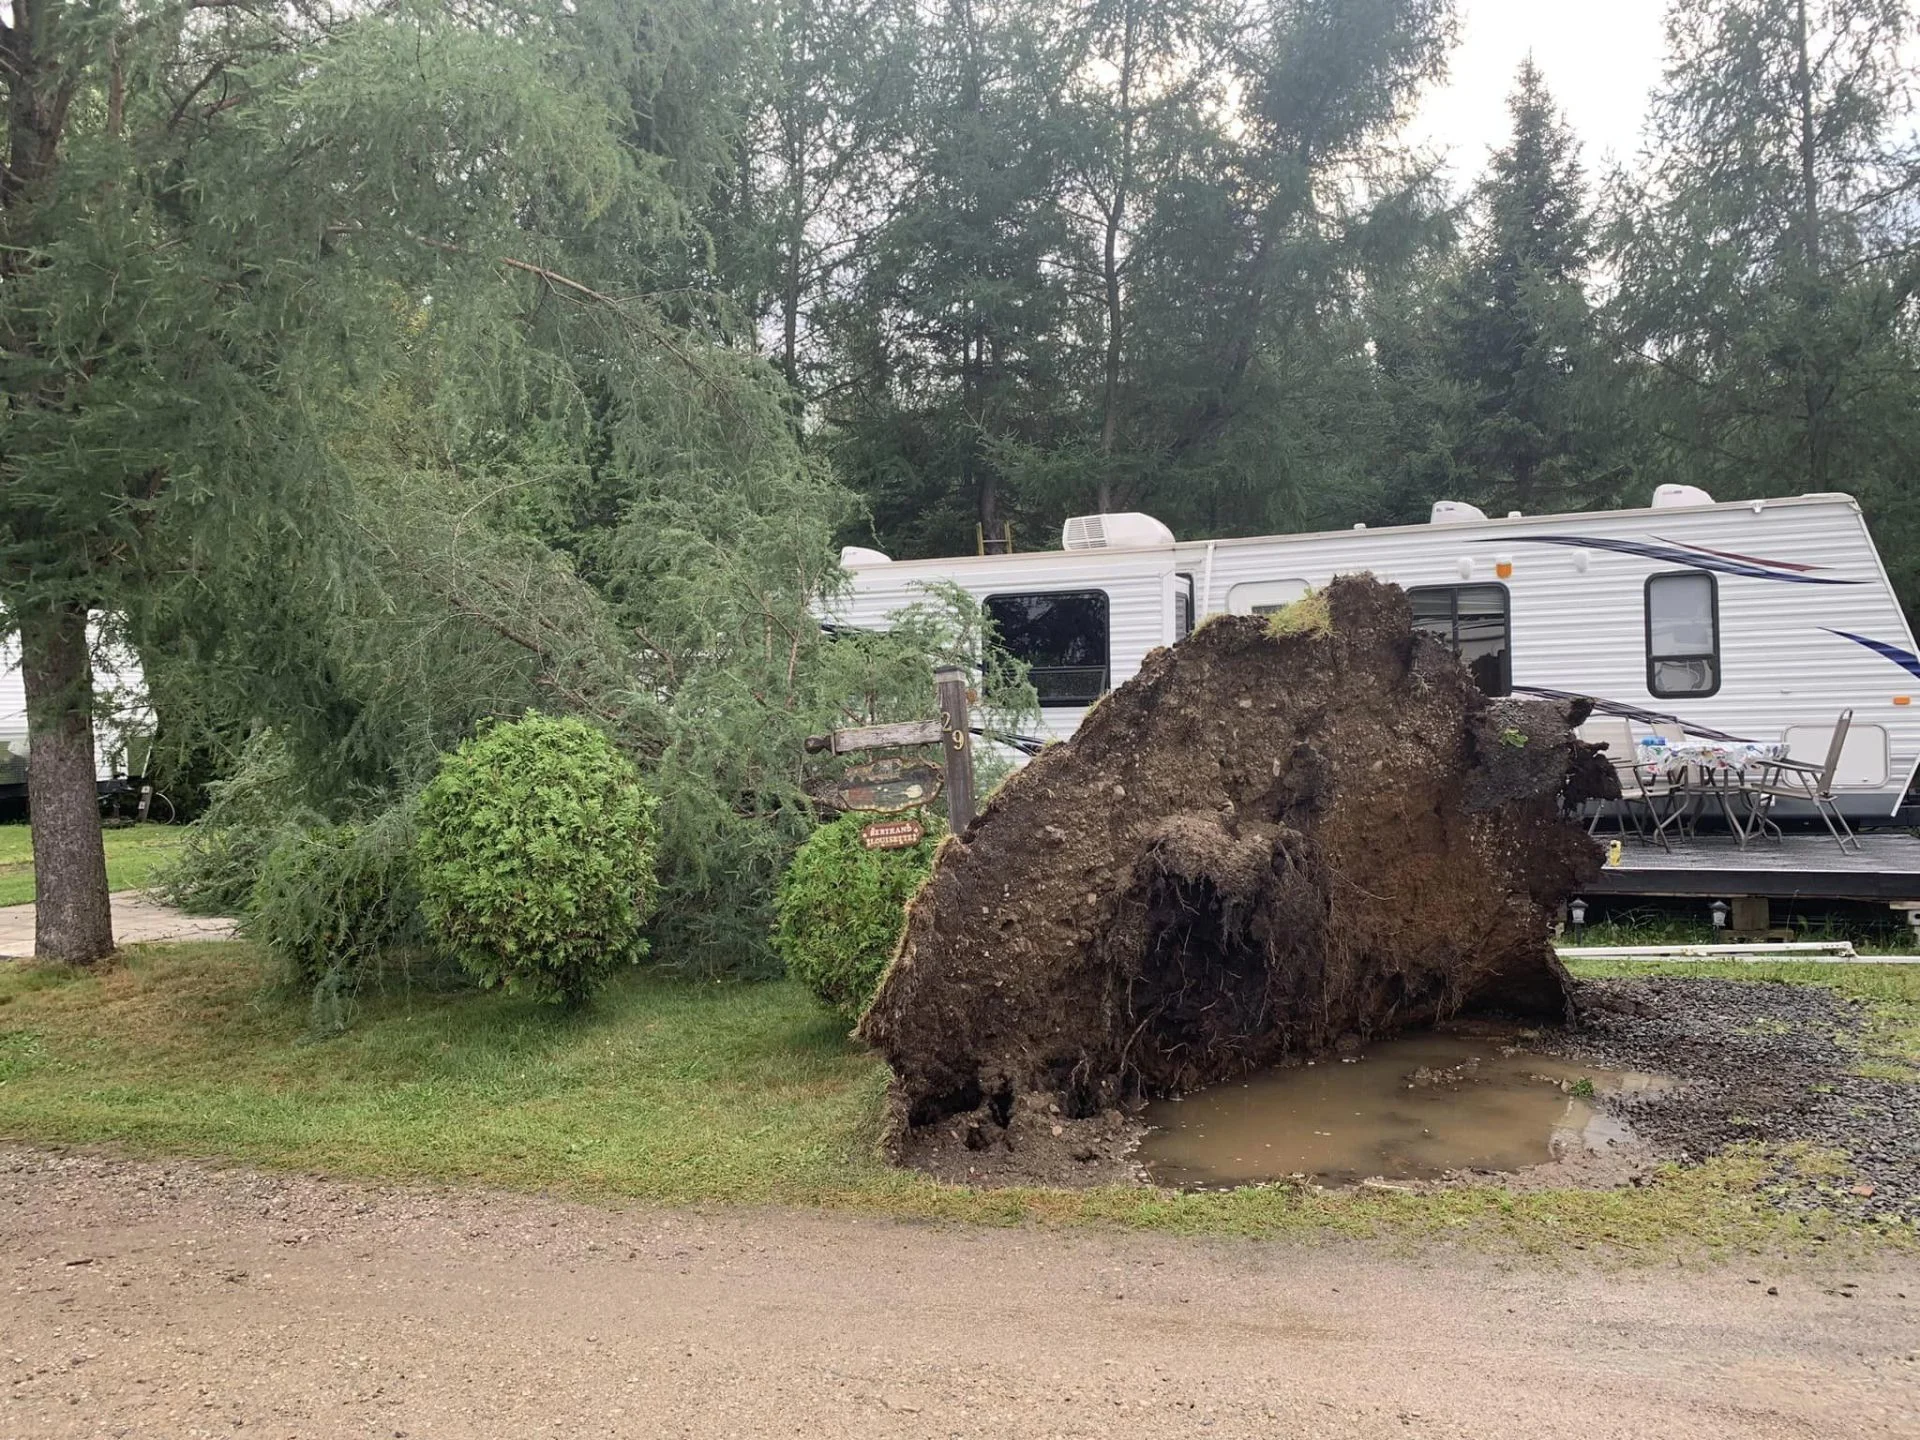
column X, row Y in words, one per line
column 1800, row 866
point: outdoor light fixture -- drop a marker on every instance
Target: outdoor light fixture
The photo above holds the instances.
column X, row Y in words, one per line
column 1720, row 910
column 1577, row 912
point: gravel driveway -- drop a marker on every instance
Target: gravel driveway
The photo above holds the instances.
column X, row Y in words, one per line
column 172, row 1300
column 1761, row 1061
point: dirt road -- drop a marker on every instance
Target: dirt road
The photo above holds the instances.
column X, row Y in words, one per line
column 168, row 1300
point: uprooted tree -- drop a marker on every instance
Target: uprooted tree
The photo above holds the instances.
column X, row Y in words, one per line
column 1283, row 831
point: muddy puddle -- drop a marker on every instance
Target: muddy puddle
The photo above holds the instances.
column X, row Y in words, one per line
column 1414, row 1108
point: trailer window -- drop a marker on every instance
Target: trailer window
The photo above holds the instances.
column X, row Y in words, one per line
column 1683, row 634
column 1474, row 620
column 1062, row 638
column 1182, row 605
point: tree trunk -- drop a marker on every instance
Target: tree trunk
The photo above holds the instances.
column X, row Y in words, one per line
column 1816, row 382
column 39, row 96
column 1110, row 388
column 977, row 472
column 794, row 154
column 790, row 293
column 74, row 919
column 1110, row 267
column 1809, row 172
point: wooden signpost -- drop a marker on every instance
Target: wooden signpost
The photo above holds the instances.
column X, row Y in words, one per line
column 950, row 691
column 895, row 783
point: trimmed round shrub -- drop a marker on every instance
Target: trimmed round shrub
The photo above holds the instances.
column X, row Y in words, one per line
column 536, row 858
column 841, row 908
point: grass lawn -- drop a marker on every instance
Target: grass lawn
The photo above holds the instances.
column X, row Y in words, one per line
column 134, row 852
column 678, row 1092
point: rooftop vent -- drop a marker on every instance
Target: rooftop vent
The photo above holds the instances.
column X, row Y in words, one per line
column 1454, row 512
column 853, row 556
column 1127, row 531
column 1669, row 496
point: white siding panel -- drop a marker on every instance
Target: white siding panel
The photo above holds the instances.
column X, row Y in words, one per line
column 13, row 694
column 13, row 713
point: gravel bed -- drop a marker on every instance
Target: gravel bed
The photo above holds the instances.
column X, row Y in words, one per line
column 1762, row 1061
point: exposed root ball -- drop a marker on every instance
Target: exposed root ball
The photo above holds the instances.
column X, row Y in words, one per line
column 1270, row 838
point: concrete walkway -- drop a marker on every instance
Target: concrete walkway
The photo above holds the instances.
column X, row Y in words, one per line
column 137, row 918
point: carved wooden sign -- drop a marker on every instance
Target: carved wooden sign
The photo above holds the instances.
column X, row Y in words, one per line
column 891, row 784
column 897, row 783
column 892, row 834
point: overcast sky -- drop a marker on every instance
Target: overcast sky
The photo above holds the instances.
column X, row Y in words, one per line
column 1600, row 58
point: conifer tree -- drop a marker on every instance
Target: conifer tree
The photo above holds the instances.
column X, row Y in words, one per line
column 1518, row 338
column 1767, row 256
column 224, row 232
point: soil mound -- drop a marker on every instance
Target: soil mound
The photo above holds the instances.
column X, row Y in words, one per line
column 1284, row 831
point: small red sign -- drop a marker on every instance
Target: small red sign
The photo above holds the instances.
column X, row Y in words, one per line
column 892, row 834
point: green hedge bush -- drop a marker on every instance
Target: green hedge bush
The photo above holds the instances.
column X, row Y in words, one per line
column 536, row 857
column 841, row 907
column 333, row 901
column 249, row 814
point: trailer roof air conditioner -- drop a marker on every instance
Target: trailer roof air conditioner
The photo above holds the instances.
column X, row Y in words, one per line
column 1127, row 531
column 1668, row 496
column 852, row 555
column 1454, row 512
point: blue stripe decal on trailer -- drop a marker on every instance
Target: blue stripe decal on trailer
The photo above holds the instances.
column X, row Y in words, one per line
column 1905, row 659
column 1674, row 554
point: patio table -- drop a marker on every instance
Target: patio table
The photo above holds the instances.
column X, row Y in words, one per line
column 1701, row 770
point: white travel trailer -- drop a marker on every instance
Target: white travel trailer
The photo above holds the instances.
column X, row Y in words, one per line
column 123, row 724
column 1760, row 619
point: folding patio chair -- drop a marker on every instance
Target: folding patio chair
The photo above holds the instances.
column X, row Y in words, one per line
column 1791, row 779
column 1640, row 789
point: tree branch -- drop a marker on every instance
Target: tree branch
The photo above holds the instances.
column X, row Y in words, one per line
column 586, row 292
